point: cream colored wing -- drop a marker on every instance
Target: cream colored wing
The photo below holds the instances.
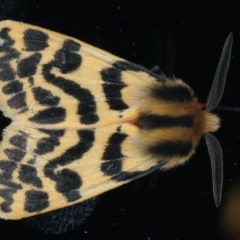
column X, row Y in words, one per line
column 43, row 169
column 67, row 101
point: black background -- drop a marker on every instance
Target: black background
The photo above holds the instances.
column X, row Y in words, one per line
column 179, row 205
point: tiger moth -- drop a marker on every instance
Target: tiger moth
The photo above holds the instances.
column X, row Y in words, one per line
column 85, row 121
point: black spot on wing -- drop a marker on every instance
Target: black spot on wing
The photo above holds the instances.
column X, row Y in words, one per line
column 6, row 194
column 53, row 133
column 35, row 40
column 113, row 148
column 14, row 154
column 66, row 59
column 12, row 87
column 7, row 54
column 112, row 87
column 11, row 185
column 71, row 45
column 110, row 168
column 171, row 148
column 28, row 66
column 45, row 97
column 47, row 144
column 7, row 40
column 19, row 141
column 7, row 72
column 67, row 181
column 36, row 201
column 51, row 115
column 7, row 168
column 28, row 175
column 17, row 101
column 112, row 157
column 157, row 121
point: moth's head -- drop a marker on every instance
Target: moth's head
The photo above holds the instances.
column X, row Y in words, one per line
column 176, row 122
column 206, row 122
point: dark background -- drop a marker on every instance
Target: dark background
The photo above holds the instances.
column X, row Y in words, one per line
column 178, row 204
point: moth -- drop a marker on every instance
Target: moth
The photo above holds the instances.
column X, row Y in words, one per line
column 85, row 121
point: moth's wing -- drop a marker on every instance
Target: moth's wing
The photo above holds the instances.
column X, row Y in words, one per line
column 66, row 100
column 43, row 170
column 52, row 79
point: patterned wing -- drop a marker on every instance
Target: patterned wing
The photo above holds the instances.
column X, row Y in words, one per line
column 67, row 101
column 43, row 169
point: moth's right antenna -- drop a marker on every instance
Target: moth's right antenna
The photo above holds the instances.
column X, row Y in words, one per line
column 219, row 79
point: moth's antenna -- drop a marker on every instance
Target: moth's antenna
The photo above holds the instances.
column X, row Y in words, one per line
column 214, row 97
column 216, row 159
column 219, row 79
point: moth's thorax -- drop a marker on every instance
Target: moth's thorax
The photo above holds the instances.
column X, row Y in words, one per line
column 171, row 122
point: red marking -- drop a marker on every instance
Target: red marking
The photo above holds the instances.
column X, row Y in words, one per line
column 130, row 121
column 202, row 105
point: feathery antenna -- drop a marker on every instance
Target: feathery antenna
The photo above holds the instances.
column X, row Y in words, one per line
column 214, row 97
